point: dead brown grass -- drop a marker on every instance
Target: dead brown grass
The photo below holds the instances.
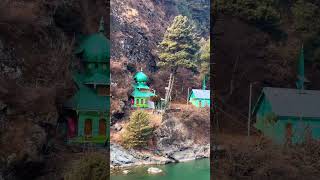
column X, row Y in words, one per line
column 197, row 121
column 263, row 160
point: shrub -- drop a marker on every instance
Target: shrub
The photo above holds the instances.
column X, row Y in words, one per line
column 90, row 167
column 138, row 131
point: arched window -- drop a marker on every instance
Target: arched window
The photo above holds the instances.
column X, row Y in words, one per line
column 88, row 127
column 102, row 127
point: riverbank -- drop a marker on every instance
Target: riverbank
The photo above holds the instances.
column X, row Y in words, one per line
column 122, row 158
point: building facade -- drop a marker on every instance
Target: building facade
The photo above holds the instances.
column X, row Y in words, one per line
column 141, row 92
column 89, row 109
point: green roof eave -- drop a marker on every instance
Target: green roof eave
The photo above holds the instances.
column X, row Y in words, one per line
column 137, row 93
column 256, row 106
column 87, row 100
column 97, row 78
column 141, row 86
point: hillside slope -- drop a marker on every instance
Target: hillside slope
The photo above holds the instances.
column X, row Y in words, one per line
column 250, row 55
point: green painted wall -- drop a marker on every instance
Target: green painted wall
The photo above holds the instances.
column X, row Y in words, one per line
column 276, row 130
column 197, row 102
column 95, row 118
column 141, row 102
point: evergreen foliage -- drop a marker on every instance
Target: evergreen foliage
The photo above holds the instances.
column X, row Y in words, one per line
column 197, row 11
column 179, row 48
column 204, row 57
column 307, row 22
column 138, row 131
column 263, row 13
column 268, row 14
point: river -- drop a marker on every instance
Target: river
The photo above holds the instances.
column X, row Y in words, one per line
column 198, row 169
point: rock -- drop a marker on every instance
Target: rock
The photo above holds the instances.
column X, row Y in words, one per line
column 119, row 156
column 48, row 118
column 9, row 66
column 117, row 127
column 175, row 141
column 192, row 153
column 2, row 105
column 182, row 156
column 153, row 170
column 125, row 171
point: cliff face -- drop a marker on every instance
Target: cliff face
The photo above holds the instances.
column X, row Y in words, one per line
column 137, row 28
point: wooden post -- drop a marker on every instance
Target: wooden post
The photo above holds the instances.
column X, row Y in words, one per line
column 249, row 112
column 188, row 97
column 169, row 90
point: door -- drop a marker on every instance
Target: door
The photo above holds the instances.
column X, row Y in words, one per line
column 71, row 127
column 88, row 127
column 289, row 133
column 102, row 127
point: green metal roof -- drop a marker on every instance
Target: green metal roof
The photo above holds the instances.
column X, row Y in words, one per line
column 86, row 99
column 141, row 77
column 141, row 86
column 94, row 48
column 97, row 78
column 291, row 102
column 200, row 94
column 137, row 93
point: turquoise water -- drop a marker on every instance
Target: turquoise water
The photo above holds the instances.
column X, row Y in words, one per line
column 193, row 170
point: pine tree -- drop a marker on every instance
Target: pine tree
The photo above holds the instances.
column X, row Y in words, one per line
column 204, row 57
column 178, row 48
column 138, row 131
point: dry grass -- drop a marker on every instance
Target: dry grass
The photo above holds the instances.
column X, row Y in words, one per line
column 93, row 166
column 130, row 13
column 197, row 122
column 155, row 119
column 263, row 160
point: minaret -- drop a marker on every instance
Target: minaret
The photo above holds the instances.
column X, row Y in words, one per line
column 301, row 79
column 204, row 83
column 101, row 27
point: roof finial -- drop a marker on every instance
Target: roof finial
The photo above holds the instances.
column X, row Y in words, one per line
column 204, row 83
column 301, row 78
column 141, row 69
column 101, row 27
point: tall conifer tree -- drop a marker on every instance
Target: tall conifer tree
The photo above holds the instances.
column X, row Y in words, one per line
column 178, row 48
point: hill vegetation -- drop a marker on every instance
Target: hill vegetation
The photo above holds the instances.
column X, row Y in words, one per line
column 264, row 49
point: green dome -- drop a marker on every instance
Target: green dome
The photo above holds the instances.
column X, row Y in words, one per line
column 141, row 77
column 94, row 48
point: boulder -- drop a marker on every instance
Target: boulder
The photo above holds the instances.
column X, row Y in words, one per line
column 120, row 157
column 153, row 170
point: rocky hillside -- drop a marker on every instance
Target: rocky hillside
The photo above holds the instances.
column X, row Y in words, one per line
column 181, row 136
column 253, row 54
column 36, row 45
column 137, row 29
